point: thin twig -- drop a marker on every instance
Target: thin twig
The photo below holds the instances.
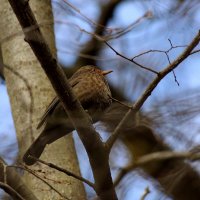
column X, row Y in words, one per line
column 120, row 102
column 160, row 51
column 40, row 178
column 51, row 165
column 127, row 29
column 195, row 51
column 119, row 31
column 175, row 78
column 85, row 55
column 146, row 192
column 131, row 60
column 87, row 19
column 166, row 53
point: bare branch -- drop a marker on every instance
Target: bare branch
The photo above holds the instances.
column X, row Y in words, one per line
column 158, row 51
column 166, row 53
column 127, row 29
column 131, row 60
column 139, row 103
column 68, row 173
column 11, row 178
column 175, row 78
column 120, row 102
column 146, row 192
column 195, row 51
column 87, row 19
column 11, row 191
column 99, row 25
column 37, row 176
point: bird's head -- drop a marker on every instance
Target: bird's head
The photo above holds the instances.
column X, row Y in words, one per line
column 93, row 69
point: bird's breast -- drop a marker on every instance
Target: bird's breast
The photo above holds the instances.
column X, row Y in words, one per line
column 93, row 91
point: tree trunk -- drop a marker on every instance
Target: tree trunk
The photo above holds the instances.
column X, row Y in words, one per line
column 30, row 92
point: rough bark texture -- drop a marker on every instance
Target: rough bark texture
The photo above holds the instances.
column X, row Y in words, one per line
column 29, row 102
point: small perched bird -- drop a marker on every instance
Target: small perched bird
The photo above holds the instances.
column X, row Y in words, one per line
column 91, row 88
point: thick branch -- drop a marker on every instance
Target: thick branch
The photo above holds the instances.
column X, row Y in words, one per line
column 91, row 140
column 10, row 191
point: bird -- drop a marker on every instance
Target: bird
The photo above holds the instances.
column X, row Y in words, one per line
column 91, row 89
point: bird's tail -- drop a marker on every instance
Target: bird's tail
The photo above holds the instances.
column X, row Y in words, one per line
column 35, row 150
column 54, row 129
column 48, row 135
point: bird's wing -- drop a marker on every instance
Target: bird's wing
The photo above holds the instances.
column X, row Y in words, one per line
column 73, row 82
column 48, row 111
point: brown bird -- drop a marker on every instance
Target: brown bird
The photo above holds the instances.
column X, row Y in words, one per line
column 91, row 88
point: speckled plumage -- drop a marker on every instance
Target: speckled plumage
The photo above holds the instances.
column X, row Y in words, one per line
column 91, row 88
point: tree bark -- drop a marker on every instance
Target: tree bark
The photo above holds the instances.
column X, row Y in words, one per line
column 30, row 92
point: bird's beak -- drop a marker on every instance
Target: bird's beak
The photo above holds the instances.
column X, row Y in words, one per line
column 106, row 72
